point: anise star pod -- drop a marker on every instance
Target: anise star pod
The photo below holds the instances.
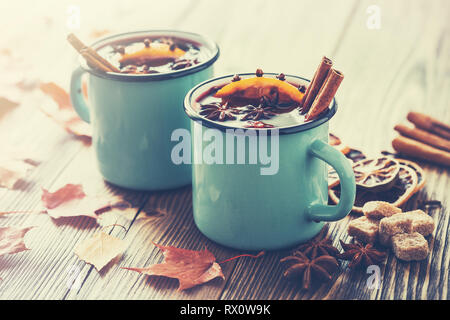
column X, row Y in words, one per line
column 217, row 111
column 361, row 256
column 404, row 187
column 308, row 270
column 316, row 248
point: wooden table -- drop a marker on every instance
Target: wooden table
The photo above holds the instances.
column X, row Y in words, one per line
column 404, row 65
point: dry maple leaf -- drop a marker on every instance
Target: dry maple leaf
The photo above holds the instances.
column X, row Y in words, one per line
column 100, row 249
column 71, row 201
column 11, row 171
column 11, row 240
column 64, row 114
column 190, row 267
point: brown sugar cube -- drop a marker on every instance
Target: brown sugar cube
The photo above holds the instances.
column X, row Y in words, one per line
column 410, row 246
column 422, row 222
column 384, row 239
column 379, row 209
column 364, row 229
column 398, row 223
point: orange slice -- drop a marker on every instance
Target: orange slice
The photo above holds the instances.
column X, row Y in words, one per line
column 419, row 171
column 154, row 53
column 255, row 88
column 404, row 188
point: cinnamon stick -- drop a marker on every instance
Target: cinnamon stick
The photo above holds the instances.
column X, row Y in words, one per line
column 326, row 94
column 93, row 62
column 423, row 136
column 421, row 150
column 315, row 85
column 430, row 124
column 91, row 56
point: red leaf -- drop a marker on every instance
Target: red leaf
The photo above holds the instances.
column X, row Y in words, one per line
column 11, row 240
column 65, row 115
column 71, row 201
column 190, row 267
column 67, row 193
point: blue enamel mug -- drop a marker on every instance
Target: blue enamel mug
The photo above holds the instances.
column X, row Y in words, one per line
column 133, row 115
column 252, row 205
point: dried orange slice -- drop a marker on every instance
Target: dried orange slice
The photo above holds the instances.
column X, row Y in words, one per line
column 404, row 187
column 257, row 87
column 377, row 174
column 334, row 140
column 419, row 171
column 354, row 154
column 153, row 54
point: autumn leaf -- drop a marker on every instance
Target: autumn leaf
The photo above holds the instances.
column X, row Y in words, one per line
column 100, row 249
column 71, row 201
column 11, row 239
column 6, row 105
column 190, row 267
column 64, row 114
column 11, row 171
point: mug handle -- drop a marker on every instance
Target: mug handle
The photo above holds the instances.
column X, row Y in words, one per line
column 321, row 212
column 76, row 95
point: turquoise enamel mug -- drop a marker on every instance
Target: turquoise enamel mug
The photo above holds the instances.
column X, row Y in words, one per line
column 252, row 205
column 133, row 115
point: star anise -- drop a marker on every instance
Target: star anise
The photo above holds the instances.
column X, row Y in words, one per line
column 316, row 248
column 361, row 256
column 257, row 113
column 217, row 111
column 319, row 269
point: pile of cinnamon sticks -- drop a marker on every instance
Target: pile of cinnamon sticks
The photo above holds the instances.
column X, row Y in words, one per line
column 321, row 90
column 428, row 140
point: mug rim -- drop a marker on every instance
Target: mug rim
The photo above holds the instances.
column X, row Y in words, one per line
column 195, row 116
column 154, row 76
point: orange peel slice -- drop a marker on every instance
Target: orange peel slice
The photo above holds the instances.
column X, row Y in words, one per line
column 255, row 88
column 153, row 53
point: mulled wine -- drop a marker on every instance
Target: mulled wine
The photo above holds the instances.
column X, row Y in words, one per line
column 153, row 54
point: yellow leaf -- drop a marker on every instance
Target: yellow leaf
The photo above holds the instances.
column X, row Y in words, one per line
column 100, row 249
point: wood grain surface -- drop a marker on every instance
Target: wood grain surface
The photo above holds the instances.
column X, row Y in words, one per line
column 402, row 66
